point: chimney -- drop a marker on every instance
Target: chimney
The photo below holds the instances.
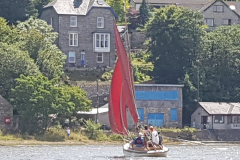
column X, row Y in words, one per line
column 77, row 3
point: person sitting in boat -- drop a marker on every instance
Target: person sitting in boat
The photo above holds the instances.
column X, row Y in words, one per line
column 147, row 132
column 155, row 137
column 138, row 142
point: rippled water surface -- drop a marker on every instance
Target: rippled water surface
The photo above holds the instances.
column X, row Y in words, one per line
column 89, row 152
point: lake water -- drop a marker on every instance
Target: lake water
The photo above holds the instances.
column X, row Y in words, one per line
column 90, row 152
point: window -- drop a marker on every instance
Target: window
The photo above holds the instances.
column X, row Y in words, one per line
column 51, row 21
column 235, row 119
column 99, row 57
column 71, row 57
column 209, row 21
column 218, row 119
column 73, row 39
column 173, row 114
column 218, row 8
column 141, row 113
column 226, row 21
column 102, row 42
column 100, row 22
column 73, row 21
column 82, row 58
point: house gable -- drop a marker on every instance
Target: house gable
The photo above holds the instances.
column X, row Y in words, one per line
column 219, row 2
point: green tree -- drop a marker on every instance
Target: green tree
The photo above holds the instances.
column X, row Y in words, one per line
column 17, row 10
column 218, row 65
column 144, row 12
column 174, row 33
column 118, row 7
column 39, row 4
column 35, row 98
column 13, row 63
column 36, row 37
column 71, row 99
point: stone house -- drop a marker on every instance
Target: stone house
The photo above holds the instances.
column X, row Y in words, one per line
column 85, row 31
column 6, row 114
column 216, row 13
column 216, row 115
column 220, row 13
column 193, row 4
column 157, row 104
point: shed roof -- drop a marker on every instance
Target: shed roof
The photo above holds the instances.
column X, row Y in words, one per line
column 102, row 109
column 67, row 6
column 220, row 107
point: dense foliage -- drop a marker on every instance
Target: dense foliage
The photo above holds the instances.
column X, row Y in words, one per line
column 21, row 10
column 174, row 33
column 120, row 7
column 207, row 63
column 31, row 75
column 35, row 98
column 144, row 12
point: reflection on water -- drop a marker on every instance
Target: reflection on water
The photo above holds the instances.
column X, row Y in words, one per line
column 91, row 152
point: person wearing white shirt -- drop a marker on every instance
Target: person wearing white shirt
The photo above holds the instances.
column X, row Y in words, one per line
column 155, row 138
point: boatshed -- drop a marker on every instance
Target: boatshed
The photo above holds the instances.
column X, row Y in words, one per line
column 159, row 105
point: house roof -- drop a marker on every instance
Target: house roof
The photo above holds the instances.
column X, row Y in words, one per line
column 67, row 6
column 220, row 107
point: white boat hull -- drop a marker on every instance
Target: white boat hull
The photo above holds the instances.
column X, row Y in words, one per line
column 128, row 152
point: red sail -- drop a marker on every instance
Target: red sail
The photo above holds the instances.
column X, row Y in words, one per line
column 122, row 90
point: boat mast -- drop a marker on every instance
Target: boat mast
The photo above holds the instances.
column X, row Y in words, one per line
column 128, row 51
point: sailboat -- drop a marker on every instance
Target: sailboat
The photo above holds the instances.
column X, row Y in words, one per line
column 122, row 97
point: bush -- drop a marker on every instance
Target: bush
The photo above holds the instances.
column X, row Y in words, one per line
column 101, row 136
column 115, row 137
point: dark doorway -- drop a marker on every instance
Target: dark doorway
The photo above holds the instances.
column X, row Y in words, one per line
column 204, row 121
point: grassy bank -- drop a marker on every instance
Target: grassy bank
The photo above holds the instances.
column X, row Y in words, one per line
column 57, row 136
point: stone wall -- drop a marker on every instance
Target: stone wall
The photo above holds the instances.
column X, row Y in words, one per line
column 6, row 110
column 137, row 40
column 91, row 89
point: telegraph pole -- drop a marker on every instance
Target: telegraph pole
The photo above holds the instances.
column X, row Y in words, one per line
column 96, row 121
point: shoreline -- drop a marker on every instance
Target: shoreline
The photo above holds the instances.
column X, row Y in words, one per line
column 69, row 142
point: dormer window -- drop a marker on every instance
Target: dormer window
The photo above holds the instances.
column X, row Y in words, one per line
column 100, row 22
column 218, row 8
column 73, row 21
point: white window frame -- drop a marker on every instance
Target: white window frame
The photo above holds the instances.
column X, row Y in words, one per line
column 218, row 8
column 100, row 20
column 73, row 39
column 226, row 21
column 101, row 56
column 69, row 60
column 101, row 42
column 73, row 21
column 211, row 24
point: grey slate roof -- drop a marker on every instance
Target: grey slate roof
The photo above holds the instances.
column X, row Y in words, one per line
column 222, row 108
column 67, row 6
